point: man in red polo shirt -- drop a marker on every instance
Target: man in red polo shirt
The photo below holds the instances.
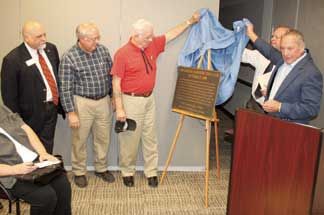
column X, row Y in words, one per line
column 134, row 73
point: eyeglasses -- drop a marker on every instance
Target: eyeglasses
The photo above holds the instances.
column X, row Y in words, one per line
column 147, row 38
column 93, row 39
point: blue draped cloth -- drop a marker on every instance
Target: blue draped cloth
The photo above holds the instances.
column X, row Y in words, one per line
column 226, row 50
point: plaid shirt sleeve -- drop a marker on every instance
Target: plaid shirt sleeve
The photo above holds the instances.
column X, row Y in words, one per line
column 66, row 79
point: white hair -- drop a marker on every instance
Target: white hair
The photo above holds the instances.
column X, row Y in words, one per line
column 140, row 26
column 85, row 29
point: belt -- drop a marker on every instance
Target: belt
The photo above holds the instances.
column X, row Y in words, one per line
column 93, row 97
column 147, row 94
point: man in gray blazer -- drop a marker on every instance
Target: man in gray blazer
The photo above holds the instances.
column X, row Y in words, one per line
column 295, row 88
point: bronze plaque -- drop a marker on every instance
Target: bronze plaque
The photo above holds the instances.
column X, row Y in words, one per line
column 195, row 92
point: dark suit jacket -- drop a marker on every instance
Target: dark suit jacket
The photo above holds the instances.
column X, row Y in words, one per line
column 22, row 87
column 301, row 91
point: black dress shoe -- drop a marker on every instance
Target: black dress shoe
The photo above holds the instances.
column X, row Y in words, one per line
column 106, row 176
column 128, row 181
column 152, row 181
column 80, row 181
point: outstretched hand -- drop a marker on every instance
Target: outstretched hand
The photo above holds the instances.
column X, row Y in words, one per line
column 46, row 156
column 249, row 28
column 194, row 18
column 250, row 32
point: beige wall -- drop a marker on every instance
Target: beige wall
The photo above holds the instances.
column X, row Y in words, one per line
column 10, row 32
column 114, row 18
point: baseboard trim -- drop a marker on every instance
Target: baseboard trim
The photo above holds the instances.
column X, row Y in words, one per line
column 160, row 168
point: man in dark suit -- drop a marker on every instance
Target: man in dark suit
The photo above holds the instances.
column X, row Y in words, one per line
column 29, row 82
column 295, row 88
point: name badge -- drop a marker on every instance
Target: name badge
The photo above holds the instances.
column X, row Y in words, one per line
column 30, row 62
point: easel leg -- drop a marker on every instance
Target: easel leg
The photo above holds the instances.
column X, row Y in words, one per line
column 175, row 139
column 207, row 161
column 217, row 146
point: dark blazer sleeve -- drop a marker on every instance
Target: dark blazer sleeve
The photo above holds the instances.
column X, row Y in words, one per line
column 268, row 51
column 9, row 83
column 305, row 99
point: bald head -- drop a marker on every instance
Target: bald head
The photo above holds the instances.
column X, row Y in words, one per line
column 34, row 34
column 277, row 35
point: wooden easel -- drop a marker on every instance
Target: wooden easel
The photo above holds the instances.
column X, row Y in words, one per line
column 208, row 131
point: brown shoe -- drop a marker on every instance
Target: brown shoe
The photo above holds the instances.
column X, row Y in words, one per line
column 106, row 176
column 80, row 181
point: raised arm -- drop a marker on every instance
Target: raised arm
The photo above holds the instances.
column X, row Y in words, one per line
column 180, row 28
column 265, row 48
column 250, row 32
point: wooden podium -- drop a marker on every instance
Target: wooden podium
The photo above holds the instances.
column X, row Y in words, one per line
column 274, row 166
column 318, row 202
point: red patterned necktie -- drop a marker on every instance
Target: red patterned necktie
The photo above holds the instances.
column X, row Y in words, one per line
column 49, row 77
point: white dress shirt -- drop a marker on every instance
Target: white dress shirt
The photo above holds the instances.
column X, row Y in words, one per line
column 282, row 73
column 260, row 63
column 33, row 53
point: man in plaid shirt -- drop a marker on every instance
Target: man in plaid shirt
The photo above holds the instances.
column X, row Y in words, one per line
column 85, row 89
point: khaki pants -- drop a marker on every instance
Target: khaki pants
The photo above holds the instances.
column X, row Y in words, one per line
column 96, row 118
column 142, row 110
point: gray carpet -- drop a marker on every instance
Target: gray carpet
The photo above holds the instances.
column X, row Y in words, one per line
column 180, row 193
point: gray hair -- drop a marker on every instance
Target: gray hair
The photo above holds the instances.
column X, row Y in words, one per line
column 298, row 36
column 140, row 26
column 85, row 29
